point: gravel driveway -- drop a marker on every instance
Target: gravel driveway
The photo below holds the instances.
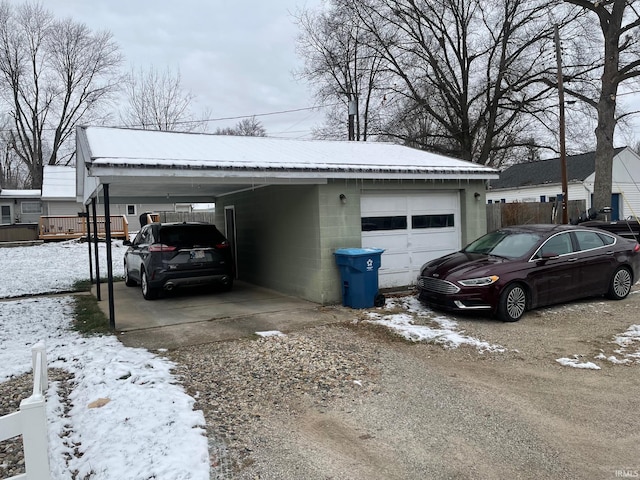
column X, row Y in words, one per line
column 352, row 401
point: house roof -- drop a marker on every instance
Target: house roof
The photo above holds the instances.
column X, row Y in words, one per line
column 58, row 183
column 19, row 193
column 579, row 167
column 182, row 164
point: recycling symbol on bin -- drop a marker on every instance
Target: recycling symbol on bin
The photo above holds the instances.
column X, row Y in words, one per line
column 369, row 264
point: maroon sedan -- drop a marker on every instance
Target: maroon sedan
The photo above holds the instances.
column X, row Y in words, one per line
column 514, row 269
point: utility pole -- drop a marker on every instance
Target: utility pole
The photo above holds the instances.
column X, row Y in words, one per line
column 353, row 110
column 563, row 153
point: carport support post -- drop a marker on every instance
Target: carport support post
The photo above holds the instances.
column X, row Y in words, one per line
column 89, row 244
column 95, row 239
column 107, row 230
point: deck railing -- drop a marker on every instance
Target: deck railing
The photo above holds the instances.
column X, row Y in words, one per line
column 62, row 227
column 31, row 422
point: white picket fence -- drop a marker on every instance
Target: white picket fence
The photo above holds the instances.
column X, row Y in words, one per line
column 31, row 422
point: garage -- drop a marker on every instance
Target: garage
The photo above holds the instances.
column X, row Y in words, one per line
column 412, row 228
column 288, row 205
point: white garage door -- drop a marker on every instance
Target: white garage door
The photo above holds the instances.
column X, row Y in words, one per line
column 412, row 229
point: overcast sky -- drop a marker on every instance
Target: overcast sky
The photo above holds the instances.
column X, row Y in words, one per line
column 236, row 56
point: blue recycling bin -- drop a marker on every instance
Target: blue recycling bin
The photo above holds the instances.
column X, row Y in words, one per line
column 359, row 275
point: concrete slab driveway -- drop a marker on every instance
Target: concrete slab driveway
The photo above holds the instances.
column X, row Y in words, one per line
column 197, row 317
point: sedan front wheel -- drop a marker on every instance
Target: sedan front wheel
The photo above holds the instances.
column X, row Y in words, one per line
column 513, row 303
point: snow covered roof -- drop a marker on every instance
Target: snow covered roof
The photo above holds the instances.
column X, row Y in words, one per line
column 144, row 148
column 58, row 183
column 20, row 193
column 147, row 159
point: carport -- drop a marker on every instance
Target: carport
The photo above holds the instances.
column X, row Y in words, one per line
column 285, row 205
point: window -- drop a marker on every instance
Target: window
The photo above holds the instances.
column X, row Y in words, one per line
column 5, row 210
column 432, row 221
column 370, row 224
column 31, row 207
column 543, row 198
column 131, row 209
column 558, row 245
column 589, row 240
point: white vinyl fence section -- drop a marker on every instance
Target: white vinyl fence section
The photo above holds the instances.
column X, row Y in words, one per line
column 31, row 422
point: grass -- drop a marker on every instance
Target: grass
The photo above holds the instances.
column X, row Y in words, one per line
column 89, row 319
column 85, row 285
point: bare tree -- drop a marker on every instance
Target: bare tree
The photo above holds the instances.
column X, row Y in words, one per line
column 341, row 67
column 247, row 127
column 157, row 101
column 11, row 168
column 53, row 73
column 460, row 77
column 617, row 62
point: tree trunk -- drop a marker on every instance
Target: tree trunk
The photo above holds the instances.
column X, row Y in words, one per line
column 606, row 114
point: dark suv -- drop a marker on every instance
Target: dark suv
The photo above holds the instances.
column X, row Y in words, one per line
column 164, row 256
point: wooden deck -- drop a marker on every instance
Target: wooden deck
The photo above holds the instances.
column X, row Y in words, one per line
column 65, row 227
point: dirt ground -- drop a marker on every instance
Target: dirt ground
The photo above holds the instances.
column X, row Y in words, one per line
column 418, row 411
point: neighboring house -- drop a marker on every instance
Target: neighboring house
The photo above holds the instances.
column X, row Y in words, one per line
column 287, row 205
column 19, row 206
column 541, row 181
column 59, row 198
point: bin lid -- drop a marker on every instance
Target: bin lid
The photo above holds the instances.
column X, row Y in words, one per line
column 357, row 252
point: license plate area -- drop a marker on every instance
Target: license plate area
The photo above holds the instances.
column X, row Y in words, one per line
column 197, row 255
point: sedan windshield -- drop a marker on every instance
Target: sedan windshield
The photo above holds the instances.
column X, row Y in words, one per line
column 504, row 244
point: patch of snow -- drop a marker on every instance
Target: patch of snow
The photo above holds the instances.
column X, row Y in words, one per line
column 576, row 363
column 400, row 315
column 270, row 333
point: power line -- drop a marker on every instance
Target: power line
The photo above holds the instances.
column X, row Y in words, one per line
column 216, row 119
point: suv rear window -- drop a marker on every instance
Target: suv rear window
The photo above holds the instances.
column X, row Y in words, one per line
column 188, row 236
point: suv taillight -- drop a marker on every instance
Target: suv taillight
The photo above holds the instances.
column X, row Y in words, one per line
column 637, row 247
column 224, row 244
column 160, row 247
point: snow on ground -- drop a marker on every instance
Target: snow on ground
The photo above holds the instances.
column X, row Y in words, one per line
column 146, row 426
column 52, row 267
column 412, row 320
column 629, row 343
column 576, row 363
column 143, row 424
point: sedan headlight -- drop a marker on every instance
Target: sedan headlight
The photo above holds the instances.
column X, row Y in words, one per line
column 479, row 282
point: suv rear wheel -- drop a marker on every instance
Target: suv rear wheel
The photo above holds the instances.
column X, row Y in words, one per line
column 147, row 292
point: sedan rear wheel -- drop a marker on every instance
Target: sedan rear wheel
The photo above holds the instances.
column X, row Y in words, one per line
column 620, row 284
column 513, row 303
column 147, row 292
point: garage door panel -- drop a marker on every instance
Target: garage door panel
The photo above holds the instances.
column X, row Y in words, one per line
column 429, row 228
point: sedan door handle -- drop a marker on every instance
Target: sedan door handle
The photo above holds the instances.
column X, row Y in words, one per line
column 574, row 259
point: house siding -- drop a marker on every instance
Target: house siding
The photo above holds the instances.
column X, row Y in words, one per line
column 625, row 182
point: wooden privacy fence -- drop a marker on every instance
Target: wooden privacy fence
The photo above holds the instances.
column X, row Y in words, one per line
column 63, row 227
column 31, row 422
column 527, row 213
